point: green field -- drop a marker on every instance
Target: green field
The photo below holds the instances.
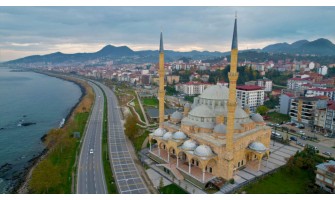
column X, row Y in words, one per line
column 296, row 177
column 278, row 117
column 150, row 102
column 282, row 182
column 172, row 189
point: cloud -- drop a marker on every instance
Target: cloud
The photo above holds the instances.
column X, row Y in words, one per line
column 25, row 30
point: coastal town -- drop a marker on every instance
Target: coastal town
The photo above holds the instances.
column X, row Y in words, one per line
column 168, row 122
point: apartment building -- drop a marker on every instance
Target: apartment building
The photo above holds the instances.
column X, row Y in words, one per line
column 251, row 95
column 192, row 87
column 303, row 109
column 325, row 176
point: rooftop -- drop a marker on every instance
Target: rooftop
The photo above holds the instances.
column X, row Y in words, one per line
column 248, row 87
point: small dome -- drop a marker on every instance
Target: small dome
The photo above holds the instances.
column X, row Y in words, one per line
column 159, row 132
column 203, row 151
column 167, row 136
column 177, row 115
column 220, row 128
column 240, row 113
column 187, row 105
column 257, row 146
column 179, row 135
column 189, row 145
column 202, row 111
column 257, row 118
column 217, row 92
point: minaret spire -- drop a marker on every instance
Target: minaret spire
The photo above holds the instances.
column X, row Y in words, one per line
column 161, row 73
column 161, row 49
column 231, row 105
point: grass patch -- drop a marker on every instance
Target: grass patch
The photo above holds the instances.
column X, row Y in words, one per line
column 278, row 117
column 297, row 177
column 110, row 182
column 138, row 141
column 150, row 102
column 54, row 174
column 282, row 182
column 172, row 189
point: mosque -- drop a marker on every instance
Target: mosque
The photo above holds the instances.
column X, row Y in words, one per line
column 213, row 137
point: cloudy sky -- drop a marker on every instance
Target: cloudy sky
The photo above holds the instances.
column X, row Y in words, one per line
column 40, row 30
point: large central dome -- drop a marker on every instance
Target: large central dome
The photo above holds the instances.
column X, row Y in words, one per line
column 217, row 92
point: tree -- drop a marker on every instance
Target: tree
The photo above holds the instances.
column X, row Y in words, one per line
column 262, row 110
column 131, row 128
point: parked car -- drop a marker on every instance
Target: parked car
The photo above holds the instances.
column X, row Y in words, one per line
column 300, row 144
column 304, row 137
column 327, row 153
column 292, row 138
column 276, row 135
column 309, row 146
column 301, row 133
column 293, row 131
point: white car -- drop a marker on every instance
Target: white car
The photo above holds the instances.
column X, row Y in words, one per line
column 301, row 133
column 91, row 151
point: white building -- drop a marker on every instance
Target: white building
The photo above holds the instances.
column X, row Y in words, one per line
column 329, row 92
column 251, row 95
column 323, row 70
column 296, row 83
column 191, row 88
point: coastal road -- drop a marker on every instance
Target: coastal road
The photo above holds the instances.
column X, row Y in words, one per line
column 90, row 173
column 128, row 178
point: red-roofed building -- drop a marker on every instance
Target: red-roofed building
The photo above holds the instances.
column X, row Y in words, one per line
column 251, row 95
column 329, row 92
column 296, row 83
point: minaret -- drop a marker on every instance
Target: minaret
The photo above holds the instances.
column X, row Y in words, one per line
column 161, row 92
column 232, row 75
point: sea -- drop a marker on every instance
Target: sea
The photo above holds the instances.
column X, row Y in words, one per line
column 30, row 105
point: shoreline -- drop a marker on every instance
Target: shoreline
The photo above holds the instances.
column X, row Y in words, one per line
column 22, row 186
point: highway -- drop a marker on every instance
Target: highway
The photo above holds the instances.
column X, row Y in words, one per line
column 90, row 173
column 127, row 177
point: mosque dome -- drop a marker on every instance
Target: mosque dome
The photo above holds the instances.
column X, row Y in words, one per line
column 257, row 146
column 215, row 92
column 159, row 132
column 167, row 136
column 257, row 118
column 220, row 128
column 189, row 145
column 203, row 151
column 177, row 115
column 179, row 135
column 202, row 111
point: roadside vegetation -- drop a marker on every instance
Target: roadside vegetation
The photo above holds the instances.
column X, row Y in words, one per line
column 296, row 177
column 110, row 182
column 55, row 173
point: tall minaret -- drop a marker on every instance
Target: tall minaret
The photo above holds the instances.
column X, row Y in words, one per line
column 161, row 92
column 233, row 75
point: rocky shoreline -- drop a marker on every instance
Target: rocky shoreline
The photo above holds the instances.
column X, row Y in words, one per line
column 21, row 187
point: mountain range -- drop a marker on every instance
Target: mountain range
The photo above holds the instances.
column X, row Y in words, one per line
column 123, row 54
column 320, row 47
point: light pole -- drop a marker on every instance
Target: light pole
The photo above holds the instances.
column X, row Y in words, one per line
column 274, row 139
